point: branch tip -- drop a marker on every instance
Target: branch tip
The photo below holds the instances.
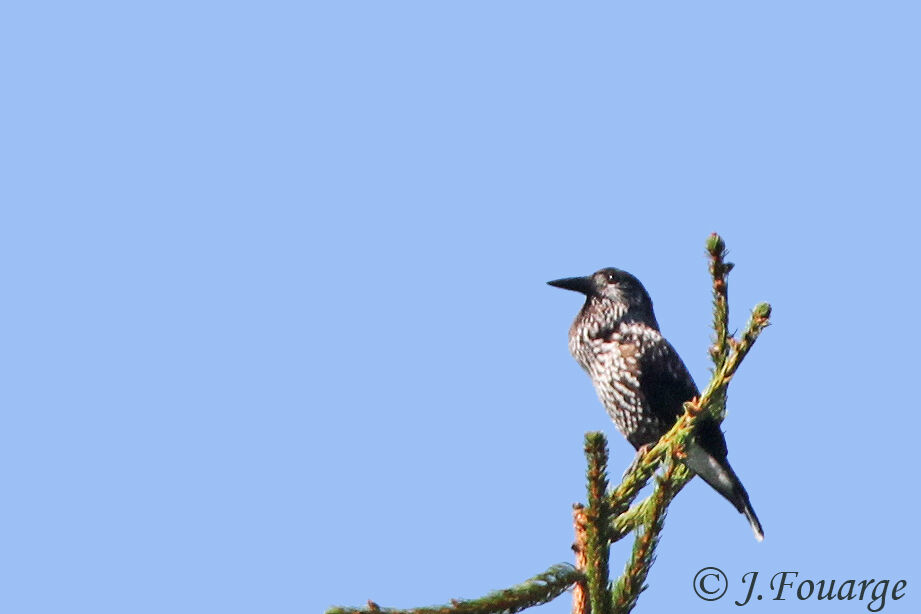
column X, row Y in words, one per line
column 716, row 246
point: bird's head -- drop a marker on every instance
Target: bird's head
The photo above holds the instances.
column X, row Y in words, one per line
column 614, row 292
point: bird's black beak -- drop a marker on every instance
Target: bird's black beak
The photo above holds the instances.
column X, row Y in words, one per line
column 576, row 284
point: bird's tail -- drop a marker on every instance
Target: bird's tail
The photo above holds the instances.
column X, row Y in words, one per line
column 717, row 473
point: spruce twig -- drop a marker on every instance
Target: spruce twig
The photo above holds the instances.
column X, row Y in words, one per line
column 629, row 586
column 597, row 520
column 719, row 271
column 626, row 522
column 580, row 604
column 538, row 590
column 635, row 481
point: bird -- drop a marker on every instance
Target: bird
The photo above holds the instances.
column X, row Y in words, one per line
column 641, row 380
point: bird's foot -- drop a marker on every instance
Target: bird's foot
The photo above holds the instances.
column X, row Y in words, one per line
column 640, row 453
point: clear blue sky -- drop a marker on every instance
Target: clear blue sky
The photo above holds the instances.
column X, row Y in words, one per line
column 276, row 334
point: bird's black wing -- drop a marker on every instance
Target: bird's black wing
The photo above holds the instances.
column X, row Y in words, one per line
column 664, row 380
column 666, row 384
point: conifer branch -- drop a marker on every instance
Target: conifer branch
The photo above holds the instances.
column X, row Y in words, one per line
column 719, row 271
column 634, row 482
column 580, row 604
column 626, row 522
column 597, row 520
column 538, row 590
column 629, row 586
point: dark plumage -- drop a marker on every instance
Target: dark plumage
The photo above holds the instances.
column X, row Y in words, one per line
column 639, row 377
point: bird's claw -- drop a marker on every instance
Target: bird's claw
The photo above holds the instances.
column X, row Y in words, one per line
column 640, row 453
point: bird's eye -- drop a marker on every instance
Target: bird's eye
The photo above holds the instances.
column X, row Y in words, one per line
column 612, row 277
